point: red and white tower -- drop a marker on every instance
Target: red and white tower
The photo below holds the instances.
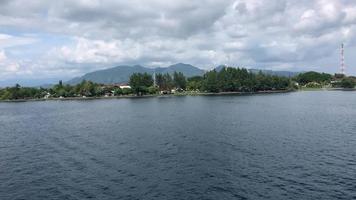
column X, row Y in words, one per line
column 342, row 64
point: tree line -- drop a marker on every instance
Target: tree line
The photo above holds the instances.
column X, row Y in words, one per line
column 228, row 79
column 318, row 80
column 144, row 83
column 83, row 89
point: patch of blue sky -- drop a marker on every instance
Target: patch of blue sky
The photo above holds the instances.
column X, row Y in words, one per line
column 42, row 44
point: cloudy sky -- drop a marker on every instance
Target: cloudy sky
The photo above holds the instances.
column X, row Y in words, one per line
column 49, row 40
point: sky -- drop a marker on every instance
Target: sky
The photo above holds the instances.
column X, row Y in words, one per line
column 43, row 41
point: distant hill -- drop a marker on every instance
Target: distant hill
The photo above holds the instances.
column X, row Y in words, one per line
column 220, row 67
column 276, row 73
column 29, row 82
column 265, row 71
column 121, row 74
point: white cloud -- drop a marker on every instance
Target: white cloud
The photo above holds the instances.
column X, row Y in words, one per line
column 7, row 66
column 11, row 41
column 96, row 51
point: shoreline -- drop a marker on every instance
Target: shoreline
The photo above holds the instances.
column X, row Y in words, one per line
column 176, row 95
column 327, row 89
column 150, row 96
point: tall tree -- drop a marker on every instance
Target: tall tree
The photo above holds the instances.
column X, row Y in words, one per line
column 195, row 83
column 210, row 83
column 164, row 81
column 168, row 81
column 179, row 80
column 140, row 83
column 347, row 83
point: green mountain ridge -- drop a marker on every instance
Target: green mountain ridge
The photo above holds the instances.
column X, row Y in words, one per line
column 121, row 74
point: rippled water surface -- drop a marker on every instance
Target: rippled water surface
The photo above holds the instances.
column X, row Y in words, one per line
column 280, row 146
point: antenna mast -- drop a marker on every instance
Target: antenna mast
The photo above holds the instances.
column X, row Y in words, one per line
column 342, row 66
column 154, row 78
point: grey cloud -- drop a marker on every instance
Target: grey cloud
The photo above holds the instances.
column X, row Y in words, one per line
column 272, row 33
column 137, row 18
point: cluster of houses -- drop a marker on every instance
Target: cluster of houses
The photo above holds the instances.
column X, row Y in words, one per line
column 109, row 90
column 112, row 87
column 172, row 91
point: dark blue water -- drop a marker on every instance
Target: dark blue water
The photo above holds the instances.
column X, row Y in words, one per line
column 281, row 146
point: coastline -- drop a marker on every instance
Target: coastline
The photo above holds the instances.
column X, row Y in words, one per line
column 177, row 95
column 150, row 96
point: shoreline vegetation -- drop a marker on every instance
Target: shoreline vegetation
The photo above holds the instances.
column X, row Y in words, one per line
column 227, row 81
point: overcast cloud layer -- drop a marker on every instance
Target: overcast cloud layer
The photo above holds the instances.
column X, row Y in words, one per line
column 50, row 39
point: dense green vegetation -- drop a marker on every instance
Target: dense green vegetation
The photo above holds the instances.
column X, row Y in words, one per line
column 227, row 79
column 83, row 89
column 18, row 92
column 140, row 83
column 241, row 80
column 321, row 80
column 166, row 82
column 307, row 77
column 346, row 82
column 194, row 83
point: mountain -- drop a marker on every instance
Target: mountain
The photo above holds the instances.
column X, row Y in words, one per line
column 121, row 74
column 186, row 69
column 118, row 74
column 28, row 82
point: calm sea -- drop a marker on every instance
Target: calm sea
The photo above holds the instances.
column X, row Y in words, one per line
column 298, row 145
